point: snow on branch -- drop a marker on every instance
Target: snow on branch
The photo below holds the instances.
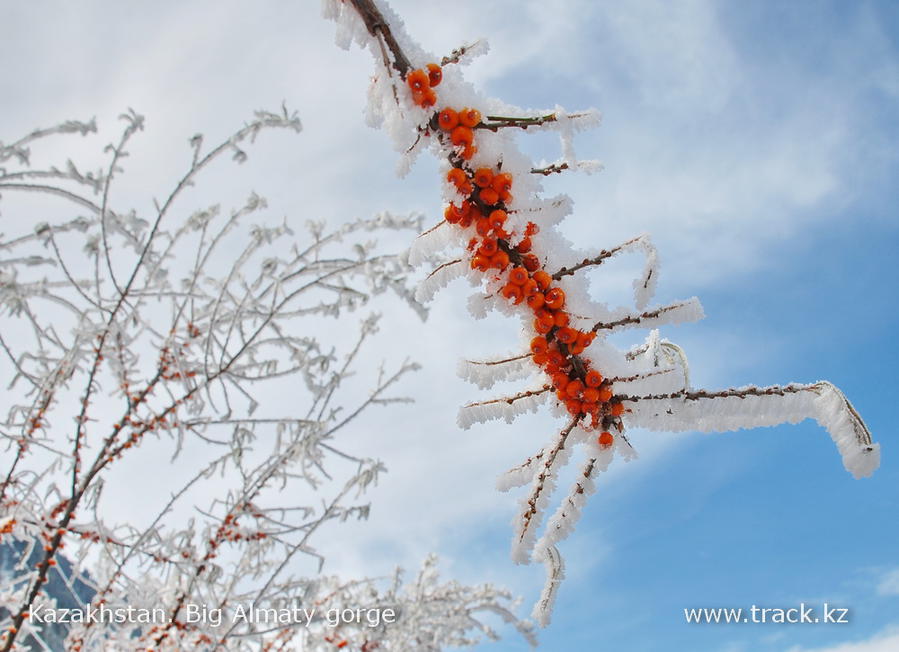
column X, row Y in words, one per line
column 509, row 246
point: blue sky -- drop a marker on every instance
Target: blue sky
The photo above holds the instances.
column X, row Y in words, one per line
column 757, row 142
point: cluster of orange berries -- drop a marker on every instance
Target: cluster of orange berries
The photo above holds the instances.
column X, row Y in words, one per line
column 487, row 192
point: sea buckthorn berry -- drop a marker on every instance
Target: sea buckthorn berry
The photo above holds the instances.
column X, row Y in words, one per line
column 540, row 359
column 593, row 378
column 530, row 287
column 556, row 357
column 566, row 335
column 539, row 345
column 488, row 247
column 483, row 226
column 535, row 301
column 462, row 210
column 543, row 279
column 530, row 262
column 560, row 318
column 480, row 263
column 418, row 80
column 590, row 408
column 448, row 119
column 450, row 215
column 518, row 276
column 483, row 177
column 435, row 74
column 555, row 298
column 575, row 348
column 502, row 182
column 524, row 246
column 489, row 196
column 531, row 229
column 466, row 221
column 462, row 136
column 469, row 117
column 586, row 339
column 512, row 292
column 606, row 439
column 541, row 327
column 574, row 388
column 617, row 409
column 497, row 218
column 560, row 381
column 574, row 406
column 545, row 317
column 457, row 177
column 426, row 99
column 605, row 394
column 467, row 152
column 591, row 394
column 500, row 260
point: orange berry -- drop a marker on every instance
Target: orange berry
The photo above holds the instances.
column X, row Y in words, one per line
column 482, row 225
column 555, row 298
column 605, row 394
column 531, row 229
column 462, row 136
column 576, row 348
column 539, row 345
column 518, row 276
column 617, row 409
column 426, row 99
column 574, row 406
column 556, row 357
column 530, row 287
column 418, row 80
column 585, row 339
column 560, row 318
column 541, row 327
column 457, row 177
column 497, row 218
column 499, row 260
column 469, row 117
column 560, row 381
column 591, row 394
column 605, row 439
column 512, row 292
column 502, row 183
column 467, row 152
column 535, row 301
column 545, row 317
column 593, row 378
column 488, row 247
column 574, row 388
column 483, row 177
column 448, row 119
column 589, row 407
column 480, row 263
column 524, row 246
column 543, row 279
column 566, row 335
column 489, row 196
column 435, row 74
column 530, row 262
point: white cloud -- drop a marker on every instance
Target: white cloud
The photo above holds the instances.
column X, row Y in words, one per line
column 884, row 641
column 889, row 583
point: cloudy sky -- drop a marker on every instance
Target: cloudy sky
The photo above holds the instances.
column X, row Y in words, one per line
column 756, row 142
